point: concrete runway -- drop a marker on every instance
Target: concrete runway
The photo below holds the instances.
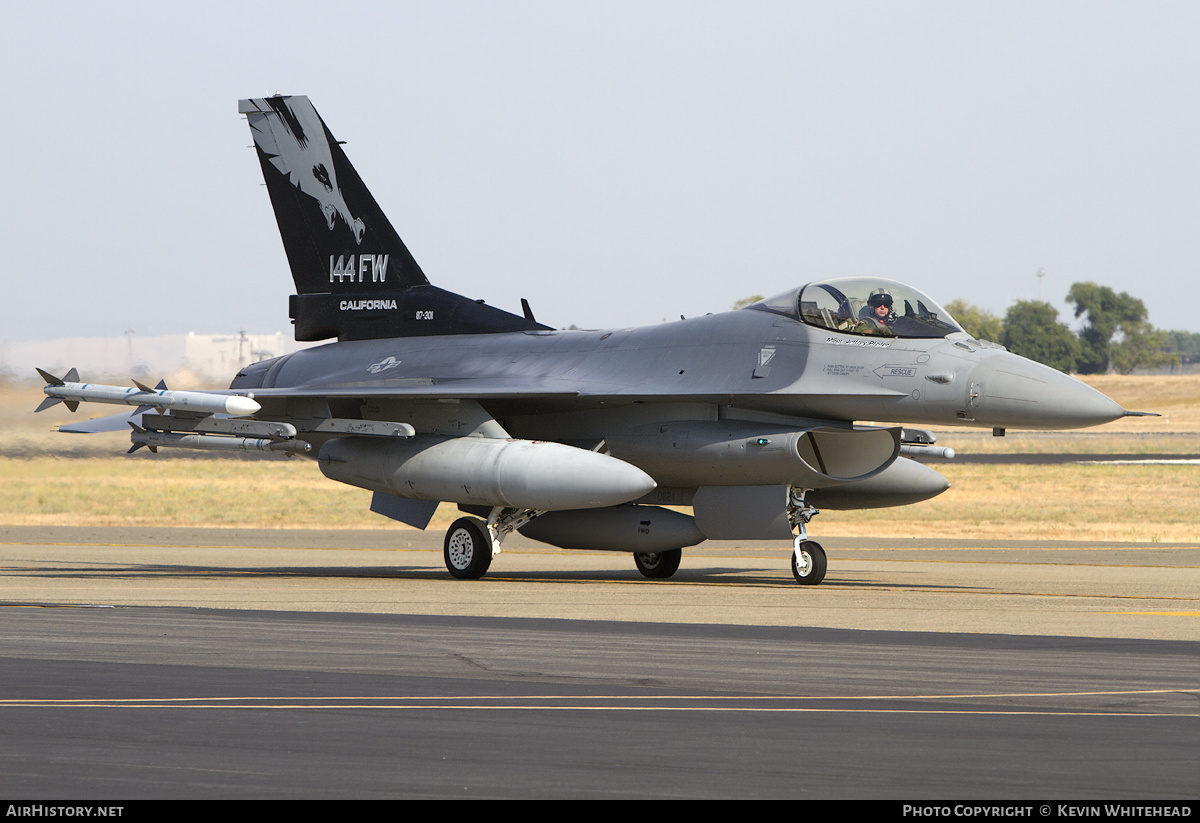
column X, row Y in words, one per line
column 178, row 663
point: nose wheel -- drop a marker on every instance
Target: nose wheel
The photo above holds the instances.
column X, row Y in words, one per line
column 808, row 562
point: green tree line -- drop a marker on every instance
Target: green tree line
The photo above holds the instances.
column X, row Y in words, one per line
column 1116, row 334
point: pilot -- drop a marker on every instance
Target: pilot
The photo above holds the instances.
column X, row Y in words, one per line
column 879, row 309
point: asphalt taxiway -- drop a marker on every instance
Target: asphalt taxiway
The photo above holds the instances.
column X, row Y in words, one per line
column 242, row 663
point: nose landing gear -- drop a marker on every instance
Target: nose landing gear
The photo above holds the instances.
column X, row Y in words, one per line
column 808, row 557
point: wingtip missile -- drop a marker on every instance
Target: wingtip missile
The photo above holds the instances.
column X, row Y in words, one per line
column 71, row 392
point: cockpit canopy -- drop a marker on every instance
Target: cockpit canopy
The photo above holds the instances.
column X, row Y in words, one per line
column 863, row 305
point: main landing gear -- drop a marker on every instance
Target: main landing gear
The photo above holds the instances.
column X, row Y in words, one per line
column 658, row 565
column 471, row 544
column 468, row 549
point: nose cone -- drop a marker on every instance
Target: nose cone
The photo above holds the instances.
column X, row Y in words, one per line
column 1010, row 391
column 240, row 406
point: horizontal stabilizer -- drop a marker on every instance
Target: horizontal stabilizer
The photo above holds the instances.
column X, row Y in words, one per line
column 99, row 425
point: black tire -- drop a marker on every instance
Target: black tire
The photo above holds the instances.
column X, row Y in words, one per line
column 658, row 565
column 468, row 549
column 813, row 572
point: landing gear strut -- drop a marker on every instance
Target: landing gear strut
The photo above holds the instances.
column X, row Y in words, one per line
column 808, row 558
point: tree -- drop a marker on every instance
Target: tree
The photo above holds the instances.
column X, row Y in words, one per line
column 1142, row 349
column 1031, row 329
column 979, row 323
column 1118, row 334
column 1185, row 345
column 746, row 301
column 1108, row 314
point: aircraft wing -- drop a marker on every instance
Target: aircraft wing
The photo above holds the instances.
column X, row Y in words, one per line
column 490, row 388
column 109, row 423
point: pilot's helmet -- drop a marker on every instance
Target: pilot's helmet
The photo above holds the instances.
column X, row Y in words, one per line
column 878, row 298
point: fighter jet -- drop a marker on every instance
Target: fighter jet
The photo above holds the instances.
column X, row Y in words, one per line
column 752, row 419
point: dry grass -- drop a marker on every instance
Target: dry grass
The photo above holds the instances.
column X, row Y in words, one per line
column 1176, row 397
column 1082, row 501
column 145, row 489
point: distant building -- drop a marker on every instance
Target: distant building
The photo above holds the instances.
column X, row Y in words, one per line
column 200, row 360
column 219, row 356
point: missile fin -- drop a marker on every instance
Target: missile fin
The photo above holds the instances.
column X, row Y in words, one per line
column 143, row 386
column 47, row 403
column 72, row 376
column 136, row 428
column 72, row 404
column 49, row 378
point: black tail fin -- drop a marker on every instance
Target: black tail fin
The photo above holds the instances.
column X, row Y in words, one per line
column 355, row 278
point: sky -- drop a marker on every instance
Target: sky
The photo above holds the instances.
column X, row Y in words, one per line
column 615, row 163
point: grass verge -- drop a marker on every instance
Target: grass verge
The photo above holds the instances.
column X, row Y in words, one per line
column 1153, row 503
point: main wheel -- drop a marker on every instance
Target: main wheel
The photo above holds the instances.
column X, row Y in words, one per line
column 468, row 549
column 658, row 565
column 811, row 569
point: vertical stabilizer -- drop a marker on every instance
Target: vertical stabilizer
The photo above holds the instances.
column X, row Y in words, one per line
column 325, row 213
column 355, row 278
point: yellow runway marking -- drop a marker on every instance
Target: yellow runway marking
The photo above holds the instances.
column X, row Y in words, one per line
column 704, row 709
column 622, row 703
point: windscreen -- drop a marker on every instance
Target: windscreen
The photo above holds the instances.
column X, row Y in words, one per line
column 869, row 306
